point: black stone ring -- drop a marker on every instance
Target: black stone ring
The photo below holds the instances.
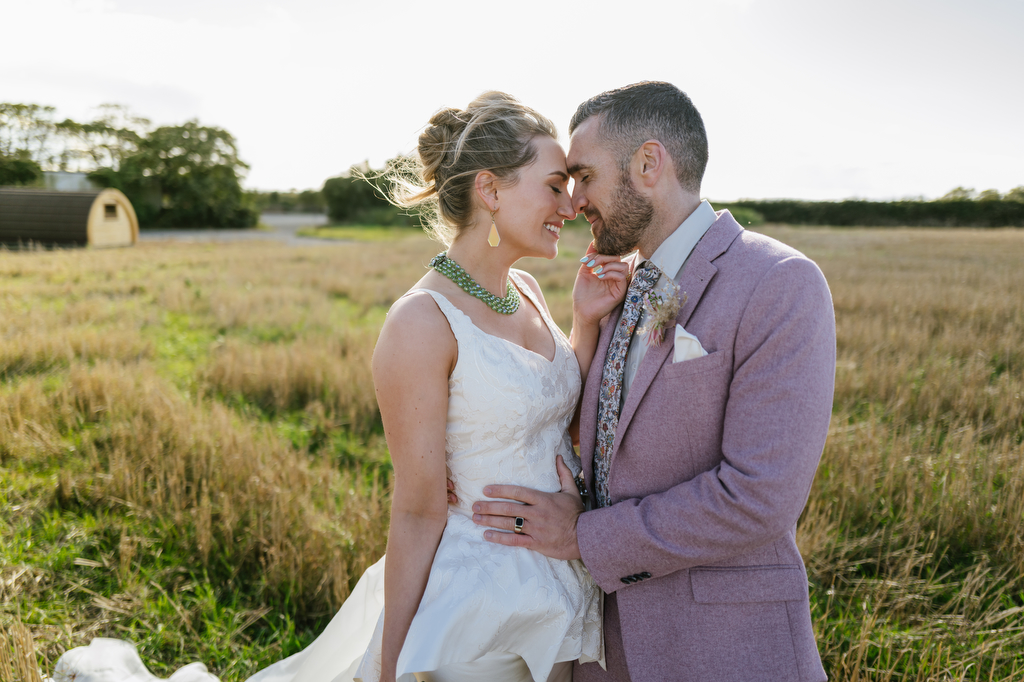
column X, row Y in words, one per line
column 518, row 528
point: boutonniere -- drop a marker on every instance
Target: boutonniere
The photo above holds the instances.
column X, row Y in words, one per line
column 662, row 312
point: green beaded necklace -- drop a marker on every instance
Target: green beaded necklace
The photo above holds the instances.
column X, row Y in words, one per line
column 453, row 271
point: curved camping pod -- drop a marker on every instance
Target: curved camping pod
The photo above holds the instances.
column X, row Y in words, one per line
column 93, row 218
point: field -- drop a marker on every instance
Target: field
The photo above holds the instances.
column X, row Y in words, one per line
column 191, row 456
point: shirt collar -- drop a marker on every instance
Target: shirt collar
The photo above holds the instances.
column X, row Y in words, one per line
column 673, row 252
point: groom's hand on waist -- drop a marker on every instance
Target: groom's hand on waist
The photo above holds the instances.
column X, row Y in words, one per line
column 548, row 520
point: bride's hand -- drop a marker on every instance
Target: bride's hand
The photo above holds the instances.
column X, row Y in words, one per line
column 600, row 286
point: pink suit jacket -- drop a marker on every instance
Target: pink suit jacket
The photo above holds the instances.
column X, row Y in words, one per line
column 711, row 467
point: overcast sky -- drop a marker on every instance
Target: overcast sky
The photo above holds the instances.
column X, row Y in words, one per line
column 814, row 99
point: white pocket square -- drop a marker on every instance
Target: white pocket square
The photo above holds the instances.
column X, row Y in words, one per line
column 687, row 346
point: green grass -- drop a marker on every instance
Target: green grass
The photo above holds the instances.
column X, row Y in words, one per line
column 182, row 345
column 177, row 419
column 130, row 568
column 78, row 559
column 359, row 233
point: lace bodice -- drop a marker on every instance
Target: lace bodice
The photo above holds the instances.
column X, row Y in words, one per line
column 508, row 410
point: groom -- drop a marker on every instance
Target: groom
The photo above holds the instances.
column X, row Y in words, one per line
column 699, row 451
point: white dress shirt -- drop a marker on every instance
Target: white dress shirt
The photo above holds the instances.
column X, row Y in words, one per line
column 670, row 258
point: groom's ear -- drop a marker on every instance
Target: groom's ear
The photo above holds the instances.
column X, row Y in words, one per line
column 650, row 162
column 486, row 187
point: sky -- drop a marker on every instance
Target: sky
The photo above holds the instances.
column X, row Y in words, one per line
column 807, row 99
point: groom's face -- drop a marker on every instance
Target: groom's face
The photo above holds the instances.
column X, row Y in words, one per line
column 605, row 194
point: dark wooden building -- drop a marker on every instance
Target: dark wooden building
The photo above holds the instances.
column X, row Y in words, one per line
column 52, row 218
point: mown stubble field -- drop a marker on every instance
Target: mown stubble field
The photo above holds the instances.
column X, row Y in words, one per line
column 191, row 456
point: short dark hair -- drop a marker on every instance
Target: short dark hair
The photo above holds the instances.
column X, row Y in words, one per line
column 651, row 110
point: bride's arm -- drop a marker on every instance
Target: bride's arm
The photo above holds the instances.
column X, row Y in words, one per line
column 600, row 286
column 415, row 354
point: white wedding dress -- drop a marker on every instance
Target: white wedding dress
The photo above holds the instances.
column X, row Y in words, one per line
column 488, row 611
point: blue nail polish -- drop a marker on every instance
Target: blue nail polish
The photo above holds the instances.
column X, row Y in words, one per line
column 600, row 276
column 591, row 263
column 584, row 259
column 598, row 269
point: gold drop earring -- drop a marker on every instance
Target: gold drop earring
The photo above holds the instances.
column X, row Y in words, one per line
column 493, row 238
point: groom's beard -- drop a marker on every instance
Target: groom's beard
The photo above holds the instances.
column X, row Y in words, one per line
column 624, row 223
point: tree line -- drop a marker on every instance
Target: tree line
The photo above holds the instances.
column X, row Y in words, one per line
column 350, row 198
column 357, row 196
column 292, row 201
column 188, row 175
column 184, row 175
column 961, row 207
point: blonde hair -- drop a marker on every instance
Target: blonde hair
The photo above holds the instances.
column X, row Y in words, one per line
column 494, row 133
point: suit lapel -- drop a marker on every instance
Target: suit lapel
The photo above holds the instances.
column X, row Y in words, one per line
column 693, row 281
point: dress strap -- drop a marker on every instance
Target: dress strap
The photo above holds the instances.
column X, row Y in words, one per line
column 459, row 321
column 527, row 290
column 524, row 288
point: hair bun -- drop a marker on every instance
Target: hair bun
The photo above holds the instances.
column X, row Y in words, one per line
column 439, row 139
column 449, row 118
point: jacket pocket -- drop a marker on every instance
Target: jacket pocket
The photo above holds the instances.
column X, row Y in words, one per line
column 712, row 362
column 748, row 584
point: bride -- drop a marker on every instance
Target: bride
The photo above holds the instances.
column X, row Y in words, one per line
column 476, row 384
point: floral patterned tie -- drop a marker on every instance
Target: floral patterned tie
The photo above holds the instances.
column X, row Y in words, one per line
column 609, row 403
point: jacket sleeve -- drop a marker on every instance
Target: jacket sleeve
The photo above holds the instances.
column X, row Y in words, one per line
column 775, row 423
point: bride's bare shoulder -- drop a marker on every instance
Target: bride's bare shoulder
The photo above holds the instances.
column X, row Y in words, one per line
column 416, row 309
column 416, row 331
